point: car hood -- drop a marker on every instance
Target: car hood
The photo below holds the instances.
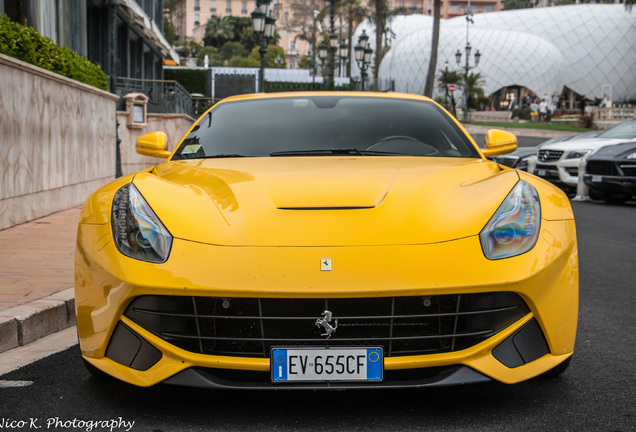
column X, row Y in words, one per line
column 325, row 201
column 583, row 144
column 616, row 152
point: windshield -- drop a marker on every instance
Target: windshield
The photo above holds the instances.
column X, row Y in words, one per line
column 325, row 125
column 625, row 130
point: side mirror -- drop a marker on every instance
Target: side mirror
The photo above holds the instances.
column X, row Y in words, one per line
column 499, row 142
column 153, row 144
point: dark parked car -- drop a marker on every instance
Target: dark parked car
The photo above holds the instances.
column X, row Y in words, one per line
column 610, row 173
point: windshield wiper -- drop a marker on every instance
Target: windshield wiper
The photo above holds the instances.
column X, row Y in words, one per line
column 334, row 151
column 225, row 155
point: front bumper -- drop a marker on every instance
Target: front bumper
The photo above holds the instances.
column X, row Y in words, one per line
column 546, row 278
column 564, row 172
column 611, row 184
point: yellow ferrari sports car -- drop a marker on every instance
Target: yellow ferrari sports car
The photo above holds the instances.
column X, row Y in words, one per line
column 326, row 240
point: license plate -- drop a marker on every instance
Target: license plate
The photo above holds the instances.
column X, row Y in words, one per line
column 541, row 173
column 327, row 364
column 597, row 179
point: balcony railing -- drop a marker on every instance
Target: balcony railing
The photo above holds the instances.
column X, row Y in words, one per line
column 168, row 97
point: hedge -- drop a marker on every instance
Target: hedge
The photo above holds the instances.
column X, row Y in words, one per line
column 193, row 80
column 27, row 45
column 278, row 86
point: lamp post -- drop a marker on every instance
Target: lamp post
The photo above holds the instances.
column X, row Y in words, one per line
column 363, row 55
column 323, row 53
column 264, row 27
column 314, row 47
column 333, row 45
column 343, row 53
column 467, row 67
column 446, row 84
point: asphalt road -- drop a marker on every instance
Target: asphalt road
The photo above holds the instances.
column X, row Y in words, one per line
column 597, row 392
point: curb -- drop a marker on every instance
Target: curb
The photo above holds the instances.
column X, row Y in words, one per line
column 23, row 324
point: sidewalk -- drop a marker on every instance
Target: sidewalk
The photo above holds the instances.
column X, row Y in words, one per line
column 36, row 278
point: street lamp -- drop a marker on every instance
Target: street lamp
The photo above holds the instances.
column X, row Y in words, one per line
column 323, row 52
column 446, row 84
column 313, row 48
column 363, row 55
column 264, row 27
column 343, row 53
column 458, row 57
column 333, row 44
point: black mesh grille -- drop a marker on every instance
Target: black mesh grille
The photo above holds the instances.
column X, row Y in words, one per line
column 628, row 170
column 248, row 327
column 601, row 168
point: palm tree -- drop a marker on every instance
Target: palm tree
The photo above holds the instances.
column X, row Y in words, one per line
column 355, row 14
column 381, row 16
column 472, row 86
column 432, row 63
column 218, row 29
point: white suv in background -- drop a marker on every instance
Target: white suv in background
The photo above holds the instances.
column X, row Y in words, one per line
column 559, row 162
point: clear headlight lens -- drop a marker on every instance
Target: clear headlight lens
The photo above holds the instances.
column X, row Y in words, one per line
column 514, row 228
column 578, row 154
column 631, row 156
column 137, row 230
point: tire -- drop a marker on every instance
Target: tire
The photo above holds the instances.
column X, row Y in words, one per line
column 616, row 198
column 608, row 197
column 97, row 374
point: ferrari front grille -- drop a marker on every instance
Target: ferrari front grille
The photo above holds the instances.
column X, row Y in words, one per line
column 249, row 327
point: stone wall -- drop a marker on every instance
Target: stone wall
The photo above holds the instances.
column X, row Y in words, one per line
column 174, row 125
column 57, row 141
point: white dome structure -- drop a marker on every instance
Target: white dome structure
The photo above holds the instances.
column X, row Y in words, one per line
column 588, row 48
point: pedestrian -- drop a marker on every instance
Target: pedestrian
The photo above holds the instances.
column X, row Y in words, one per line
column 582, row 105
column 534, row 111
column 554, row 102
column 543, row 110
column 604, row 101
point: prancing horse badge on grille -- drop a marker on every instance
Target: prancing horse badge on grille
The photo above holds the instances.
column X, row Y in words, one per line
column 325, row 321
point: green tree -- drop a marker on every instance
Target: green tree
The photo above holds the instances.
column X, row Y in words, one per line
column 214, row 59
column 381, row 15
column 169, row 31
column 453, row 77
column 472, row 88
column 274, row 58
column 218, row 30
column 303, row 62
column 244, row 62
column 230, row 50
column 354, row 15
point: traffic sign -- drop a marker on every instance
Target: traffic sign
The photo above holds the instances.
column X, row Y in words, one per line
column 451, row 88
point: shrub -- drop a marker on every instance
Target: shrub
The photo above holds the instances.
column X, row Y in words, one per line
column 193, row 80
column 27, row 45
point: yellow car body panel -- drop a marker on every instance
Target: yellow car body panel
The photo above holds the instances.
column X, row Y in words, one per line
column 392, row 227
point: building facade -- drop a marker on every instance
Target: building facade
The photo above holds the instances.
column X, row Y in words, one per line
column 125, row 37
column 191, row 16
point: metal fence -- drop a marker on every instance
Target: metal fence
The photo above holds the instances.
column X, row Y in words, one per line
column 163, row 96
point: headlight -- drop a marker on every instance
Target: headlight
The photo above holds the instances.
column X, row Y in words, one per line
column 137, row 230
column 577, row 154
column 631, row 156
column 514, row 228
